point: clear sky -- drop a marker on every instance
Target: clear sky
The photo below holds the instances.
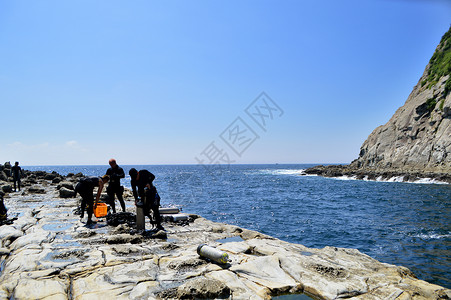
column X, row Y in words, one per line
column 157, row 82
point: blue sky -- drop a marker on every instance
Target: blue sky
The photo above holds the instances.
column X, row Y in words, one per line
column 157, row 82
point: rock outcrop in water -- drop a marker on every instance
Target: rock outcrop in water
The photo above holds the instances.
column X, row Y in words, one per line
column 417, row 139
column 47, row 253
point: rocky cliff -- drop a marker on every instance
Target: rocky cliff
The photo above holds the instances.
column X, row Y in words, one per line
column 418, row 136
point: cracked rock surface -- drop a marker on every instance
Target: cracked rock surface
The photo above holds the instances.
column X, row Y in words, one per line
column 47, row 253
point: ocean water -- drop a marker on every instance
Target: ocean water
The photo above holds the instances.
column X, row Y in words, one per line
column 405, row 224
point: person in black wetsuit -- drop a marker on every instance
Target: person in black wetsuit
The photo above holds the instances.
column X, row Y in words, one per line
column 114, row 186
column 146, row 194
column 16, row 173
column 85, row 187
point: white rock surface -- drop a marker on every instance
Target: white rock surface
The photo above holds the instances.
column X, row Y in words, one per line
column 49, row 254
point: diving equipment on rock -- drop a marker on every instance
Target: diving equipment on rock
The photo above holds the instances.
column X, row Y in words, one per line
column 213, row 254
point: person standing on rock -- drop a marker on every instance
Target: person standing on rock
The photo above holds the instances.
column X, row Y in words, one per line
column 114, row 186
column 16, row 173
column 146, row 195
column 85, row 187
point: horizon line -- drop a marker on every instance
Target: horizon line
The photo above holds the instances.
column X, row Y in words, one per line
column 187, row 164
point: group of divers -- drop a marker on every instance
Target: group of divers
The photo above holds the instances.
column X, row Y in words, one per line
column 144, row 192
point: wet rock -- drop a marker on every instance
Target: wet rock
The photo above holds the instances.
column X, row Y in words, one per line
column 121, row 218
column 70, row 254
column 3, row 176
column 7, row 188
column 36, row 190
column 123, row 239
column 203, row 288
column 85, row 234
column 160, row 234
column 170, row 293
column 65, row 184
column 50, row 176
column 66, row 193
column 56, row 180
column 186, row 264
column 30, row 181
column 123, row 228
column 130, row 250
column 40, row 174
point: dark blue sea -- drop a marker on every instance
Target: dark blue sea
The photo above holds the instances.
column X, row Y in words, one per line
column 405, row 224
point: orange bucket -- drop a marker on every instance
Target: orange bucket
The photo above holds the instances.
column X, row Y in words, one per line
column 101, row 210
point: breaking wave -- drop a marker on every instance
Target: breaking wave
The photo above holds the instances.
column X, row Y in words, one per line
column 392, row 179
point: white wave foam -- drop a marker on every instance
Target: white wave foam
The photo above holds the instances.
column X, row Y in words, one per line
column 283, row 172
column 290, row 172
column 429, row 181
column 396, row 179
column 431, row 236
column 392, row 179
column 298, row 172
column 345, row 177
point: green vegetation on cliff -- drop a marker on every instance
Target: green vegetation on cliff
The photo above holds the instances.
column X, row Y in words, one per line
column 440, row 65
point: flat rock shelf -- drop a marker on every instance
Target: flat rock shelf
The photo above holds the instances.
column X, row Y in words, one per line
column 48, row 253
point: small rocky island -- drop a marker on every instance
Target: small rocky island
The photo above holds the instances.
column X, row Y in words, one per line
column 416, row 142
column 46, row 252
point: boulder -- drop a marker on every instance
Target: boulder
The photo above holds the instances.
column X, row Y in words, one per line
column 7, row 165
column 160, row 234
column 50, row 176
column 36, row 190
column 40, row 174
column 66, row 193
column 56, row 180
column 7, row 188
column 30, row 180
column 66, row 184
column 3, row 176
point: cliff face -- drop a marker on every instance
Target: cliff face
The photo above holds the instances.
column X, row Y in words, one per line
column 418, row 136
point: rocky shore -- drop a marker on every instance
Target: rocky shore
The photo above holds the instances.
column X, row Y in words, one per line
column 378, row 174
column 48, row 253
